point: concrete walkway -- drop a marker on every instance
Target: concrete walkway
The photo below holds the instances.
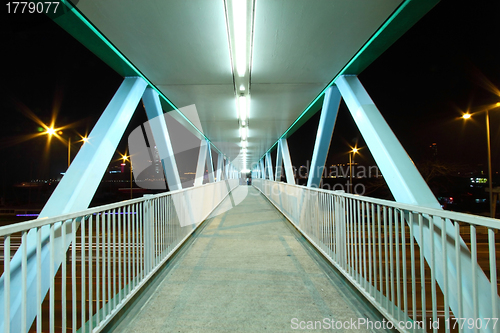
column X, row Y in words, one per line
column 247, row 270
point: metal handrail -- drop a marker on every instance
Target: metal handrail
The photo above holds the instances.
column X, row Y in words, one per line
column 390, row 250
column 458, row 216
column 110, row 251
column 35, row 223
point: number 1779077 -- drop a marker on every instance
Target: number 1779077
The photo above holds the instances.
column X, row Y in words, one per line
column 22, row 7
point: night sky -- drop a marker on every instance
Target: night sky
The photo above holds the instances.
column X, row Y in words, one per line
column 447, row 63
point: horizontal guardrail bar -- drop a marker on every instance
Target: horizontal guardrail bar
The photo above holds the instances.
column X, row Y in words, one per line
column 35, row 223
column 420, row 267
column 458, row 216
column 93, row 262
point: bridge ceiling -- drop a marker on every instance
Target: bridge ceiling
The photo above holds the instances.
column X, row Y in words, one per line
column 297, row 48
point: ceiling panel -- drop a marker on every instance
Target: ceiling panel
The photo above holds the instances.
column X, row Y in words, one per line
column 300, row 41
column 170, row 41
column 182, row 48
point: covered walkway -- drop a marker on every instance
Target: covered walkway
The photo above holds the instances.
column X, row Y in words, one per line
column 224, row 84
column 247, row 269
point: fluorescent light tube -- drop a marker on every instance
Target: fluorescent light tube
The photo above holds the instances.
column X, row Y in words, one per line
column 243, row 133
column 242, row 104
column 240, row 35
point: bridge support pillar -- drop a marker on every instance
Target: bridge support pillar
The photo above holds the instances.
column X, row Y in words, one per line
column 202, row 159
column 161, row 138
column 287, row 161
column 324, row 136
column 74, row 193
column 220, row 163
column 269, row 166
column 408, row 186
column 210, row 163
column 279, row 162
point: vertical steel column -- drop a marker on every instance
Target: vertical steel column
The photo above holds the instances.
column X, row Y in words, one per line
column 279, row 162
column 269, row 166
column 408, row 186
column 162, row 138
column 210, row 163
column 324, row 136
column 220, row 164
column 262, row 170
column 74, row 193
column 200, row 166
column 287, row 161
column 226, row 169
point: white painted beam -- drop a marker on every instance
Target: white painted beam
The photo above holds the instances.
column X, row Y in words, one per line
column 269, row 166
column 220, row 165
column 287, row 161
column 200, row 166
column 74, row 193
column 279, row 162
column 324, row 136
column 408, row 186
column 161, row 137
column 210, row 163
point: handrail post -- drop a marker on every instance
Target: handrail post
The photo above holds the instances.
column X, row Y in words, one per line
column 148, row 236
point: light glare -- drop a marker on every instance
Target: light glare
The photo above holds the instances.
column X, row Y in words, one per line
column 50, row 131
column 242, row 103
column 243, row 133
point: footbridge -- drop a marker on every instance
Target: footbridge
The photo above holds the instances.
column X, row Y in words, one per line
column 243, row 247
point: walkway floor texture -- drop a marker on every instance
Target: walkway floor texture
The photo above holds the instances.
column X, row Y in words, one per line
column 247, row 269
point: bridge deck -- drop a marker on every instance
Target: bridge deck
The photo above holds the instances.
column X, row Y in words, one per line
column 247, row 269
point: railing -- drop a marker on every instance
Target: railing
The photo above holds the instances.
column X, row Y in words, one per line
column 381, row 247
column 109, row 253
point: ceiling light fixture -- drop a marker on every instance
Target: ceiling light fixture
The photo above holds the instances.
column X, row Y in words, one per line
column 239, row 21
column 240, row 35
column 243, row 133
column 242, row 105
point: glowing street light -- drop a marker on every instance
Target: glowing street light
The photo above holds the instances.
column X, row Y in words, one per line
column 50, row 131
column 490, row 179
column 124, row 159
column 351, row 161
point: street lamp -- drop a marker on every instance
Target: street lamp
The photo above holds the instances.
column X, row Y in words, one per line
column 490, row 179
column 125, row 158
column 51, row 131
column 351, row 161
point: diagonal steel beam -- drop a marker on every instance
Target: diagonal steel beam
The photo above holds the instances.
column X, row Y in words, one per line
column 162, row 138
column 408, row 186
column 287, row 161
column 324, row 136
column 74, row 193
